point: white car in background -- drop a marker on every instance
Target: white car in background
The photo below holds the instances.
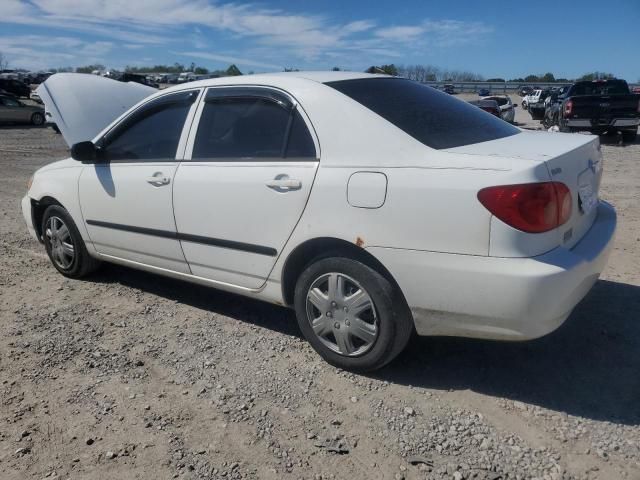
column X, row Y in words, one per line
column 374, row 206
column 533, row 97
column 507, row 108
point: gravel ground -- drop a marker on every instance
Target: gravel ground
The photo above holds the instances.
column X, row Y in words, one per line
column 129, row 375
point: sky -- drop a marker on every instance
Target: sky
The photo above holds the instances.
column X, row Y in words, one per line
column 492, row 38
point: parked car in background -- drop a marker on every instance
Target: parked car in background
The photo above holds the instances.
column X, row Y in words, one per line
column 16, row 87
column 531, row 97
column 35, row 97
column 449, row 88
column 13, row 110
column 537, row 105
column 420, row 213
column 524, row 90
column 134, row 77
column 7, row 94
column 507, row 108
column 484, row 92
column 600, row 106
column 490, row 106
column 635, row 90
column 186, row 77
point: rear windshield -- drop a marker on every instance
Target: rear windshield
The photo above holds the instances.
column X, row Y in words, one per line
column 434, row 118
column 600, row 88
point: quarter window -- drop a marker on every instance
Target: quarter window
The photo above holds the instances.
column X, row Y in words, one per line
column 251, row 128
column 151, row 133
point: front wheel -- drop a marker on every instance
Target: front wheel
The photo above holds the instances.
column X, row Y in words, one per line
column 37, row 119
column 64, row 245
column 351, row 315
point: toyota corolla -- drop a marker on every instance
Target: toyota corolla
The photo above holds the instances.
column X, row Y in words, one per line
column 374, row 206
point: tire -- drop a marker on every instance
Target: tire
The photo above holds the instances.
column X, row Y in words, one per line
column 64, row 245
column 524, row 106
column 362, row 341
column 37, row 119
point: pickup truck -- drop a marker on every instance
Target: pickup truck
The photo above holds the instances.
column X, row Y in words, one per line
column 600, row 106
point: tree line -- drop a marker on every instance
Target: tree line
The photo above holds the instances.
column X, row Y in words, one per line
column 432, row 73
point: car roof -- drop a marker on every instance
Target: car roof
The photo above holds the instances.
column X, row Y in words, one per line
column 275, row 79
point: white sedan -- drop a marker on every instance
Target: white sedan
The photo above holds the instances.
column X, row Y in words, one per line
column 374, row 206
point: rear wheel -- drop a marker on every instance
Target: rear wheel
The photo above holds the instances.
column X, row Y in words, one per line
column 37, row 119
column 64, row 245
column 351, row 315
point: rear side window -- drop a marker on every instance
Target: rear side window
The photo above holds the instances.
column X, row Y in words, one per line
column 434, row 118
column 251, row 128
column 152, row 132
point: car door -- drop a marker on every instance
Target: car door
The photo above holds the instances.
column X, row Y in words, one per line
column 126, row 195
column 251, row 164
column 12, row 110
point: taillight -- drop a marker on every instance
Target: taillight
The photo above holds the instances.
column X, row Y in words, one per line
column 568, row 108
column 530, row 207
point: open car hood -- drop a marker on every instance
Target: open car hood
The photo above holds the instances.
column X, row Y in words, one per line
column 82, row 105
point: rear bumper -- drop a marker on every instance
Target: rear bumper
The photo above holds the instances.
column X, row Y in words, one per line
column 614, row 122
column 500, row 298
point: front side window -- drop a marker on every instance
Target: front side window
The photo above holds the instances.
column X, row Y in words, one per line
column 152, row 132
column 433, row 118
column 251, row 127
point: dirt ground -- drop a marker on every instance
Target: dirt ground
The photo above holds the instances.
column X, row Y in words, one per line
column 126, row 375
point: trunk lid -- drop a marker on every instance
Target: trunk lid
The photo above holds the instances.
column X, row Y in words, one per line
column 83, row 105
column 573, row 159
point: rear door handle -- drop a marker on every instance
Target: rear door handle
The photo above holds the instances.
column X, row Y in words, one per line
column 158, row 179
column 282, row 183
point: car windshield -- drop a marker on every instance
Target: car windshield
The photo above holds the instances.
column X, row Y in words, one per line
column 431, row 117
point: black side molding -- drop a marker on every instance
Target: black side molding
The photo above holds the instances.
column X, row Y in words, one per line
column 185, row 237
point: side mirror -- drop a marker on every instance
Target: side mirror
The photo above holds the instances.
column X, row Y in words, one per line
column 84, row 152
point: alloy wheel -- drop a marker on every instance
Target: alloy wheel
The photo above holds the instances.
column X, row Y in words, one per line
column 60, row 242
column 342, row 314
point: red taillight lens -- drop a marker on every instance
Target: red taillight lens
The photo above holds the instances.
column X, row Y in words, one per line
column 530, row 207
column 568, row 108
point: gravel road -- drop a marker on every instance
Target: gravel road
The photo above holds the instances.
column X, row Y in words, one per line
column 128, row 375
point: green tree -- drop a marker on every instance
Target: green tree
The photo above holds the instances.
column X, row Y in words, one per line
column 390, row 69
column 90, row 68
column 548, row 77
column 4, row 63
column 596, row 76
column 232, row 71
column 201, row 71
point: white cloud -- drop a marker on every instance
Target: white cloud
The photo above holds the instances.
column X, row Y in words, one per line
column 41, row 52
column 231, row 59
column 297, row 37
column 401, row 33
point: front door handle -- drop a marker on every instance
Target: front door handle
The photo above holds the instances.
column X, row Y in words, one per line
column 282, row 183
column 158, row 179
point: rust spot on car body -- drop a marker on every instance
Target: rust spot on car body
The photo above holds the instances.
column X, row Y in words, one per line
column 359, row 241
